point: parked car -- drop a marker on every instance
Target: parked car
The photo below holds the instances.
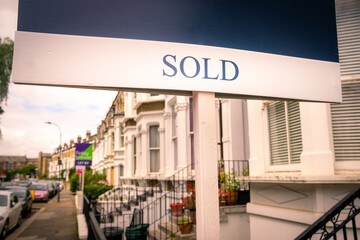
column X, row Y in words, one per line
column 55, row 185
column 61, row 185
column 24, row 196
column 40, row 191
column 23, row 183
column 4, row 184
column 52, row 188
column 10, row 212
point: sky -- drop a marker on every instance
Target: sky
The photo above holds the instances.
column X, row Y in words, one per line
column 27, row 108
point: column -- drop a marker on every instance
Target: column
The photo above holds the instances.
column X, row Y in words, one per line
column 257, row 140
column 162, row 150
column 317, row 157
column 143, row 158
column 181, row 112
column 169, row 163
column 207, row 201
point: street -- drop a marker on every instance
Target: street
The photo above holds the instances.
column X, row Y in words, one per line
column 51, row 220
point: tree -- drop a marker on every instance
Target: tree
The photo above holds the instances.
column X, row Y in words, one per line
column 6, row 57
column 28, row 170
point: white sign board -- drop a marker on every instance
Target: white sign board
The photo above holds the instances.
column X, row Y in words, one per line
column 66, row 50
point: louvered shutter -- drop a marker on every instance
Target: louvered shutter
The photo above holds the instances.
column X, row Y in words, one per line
column 277, row 133
column 346, row 123
column 295, row 139
column 284, row 132
column 348, row 29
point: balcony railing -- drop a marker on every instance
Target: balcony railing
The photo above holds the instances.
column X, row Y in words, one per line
column 233, row 189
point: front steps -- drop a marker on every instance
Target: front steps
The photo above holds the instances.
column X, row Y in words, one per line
column 165, row 228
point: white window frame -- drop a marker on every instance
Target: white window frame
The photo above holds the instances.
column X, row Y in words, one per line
column 157, row 148
column 122, row 139
column 134, row 155
column 270, row 168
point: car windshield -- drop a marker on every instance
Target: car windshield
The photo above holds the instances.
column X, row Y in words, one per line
column 20, row 193
column 38, row 187
column 3, row 200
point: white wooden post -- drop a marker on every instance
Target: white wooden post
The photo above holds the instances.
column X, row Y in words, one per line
column 206, row 186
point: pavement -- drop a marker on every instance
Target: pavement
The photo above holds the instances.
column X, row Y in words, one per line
column 53, row 221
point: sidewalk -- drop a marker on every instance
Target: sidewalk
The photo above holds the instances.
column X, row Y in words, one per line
column 56, row 221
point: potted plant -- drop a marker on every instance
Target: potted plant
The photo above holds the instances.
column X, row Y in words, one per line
column 192, row 202
column 185, row 225
column 222, row 196
column 244, row 192
column 185, row 201
column 176, row 208
column 232, row 188
column 172, row 236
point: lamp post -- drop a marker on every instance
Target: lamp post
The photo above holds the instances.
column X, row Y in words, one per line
column 59, row 159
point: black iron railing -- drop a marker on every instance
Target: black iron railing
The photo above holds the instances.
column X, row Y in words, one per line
column 159, row 204
column 234, row 189
column 94, row 231
column 339, row 220
column 148, row 203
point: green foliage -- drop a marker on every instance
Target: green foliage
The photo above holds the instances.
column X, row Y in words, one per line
column 9, row 174
column 6, row 56
column 230, row 183
column 71, row 172
column 43, row 177
column 54, row 178
column 172, row 235
column 183, row 220
column 74, row 182
column 28, row 170
column 96, row 190
column 62, row 173
column 96, row 177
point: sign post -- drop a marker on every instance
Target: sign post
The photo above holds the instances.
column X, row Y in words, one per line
column 83, row 158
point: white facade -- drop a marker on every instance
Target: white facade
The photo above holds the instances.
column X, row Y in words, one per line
column 304, row 157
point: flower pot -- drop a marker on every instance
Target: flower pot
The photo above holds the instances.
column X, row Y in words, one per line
column 185, row 227
column 186, row 202
column 231, row 197
column 176, row 209
column 193, row 215
column 244, row 197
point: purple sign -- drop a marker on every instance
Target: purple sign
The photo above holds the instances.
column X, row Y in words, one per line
column 83, row 154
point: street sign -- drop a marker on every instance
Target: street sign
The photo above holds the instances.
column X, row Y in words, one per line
column 3, row 175
column 283, row 49
column 83, row 154
column 80, row 169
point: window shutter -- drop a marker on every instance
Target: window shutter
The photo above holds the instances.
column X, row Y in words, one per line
column 295, row 140
column 346, row 123
column 348, row 29
column 284, row 132
column 278, row 133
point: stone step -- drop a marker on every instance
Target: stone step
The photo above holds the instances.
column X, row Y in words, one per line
column 168, row 227
column 157, row 235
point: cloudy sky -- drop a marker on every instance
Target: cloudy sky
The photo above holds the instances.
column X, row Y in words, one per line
column 29, row 107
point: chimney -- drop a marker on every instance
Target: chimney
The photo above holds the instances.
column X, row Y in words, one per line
column 79, row 139
column 88, row 134
column 71, row 143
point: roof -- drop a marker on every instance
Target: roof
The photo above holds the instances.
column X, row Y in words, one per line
column 13, row 159
column 3, row 192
